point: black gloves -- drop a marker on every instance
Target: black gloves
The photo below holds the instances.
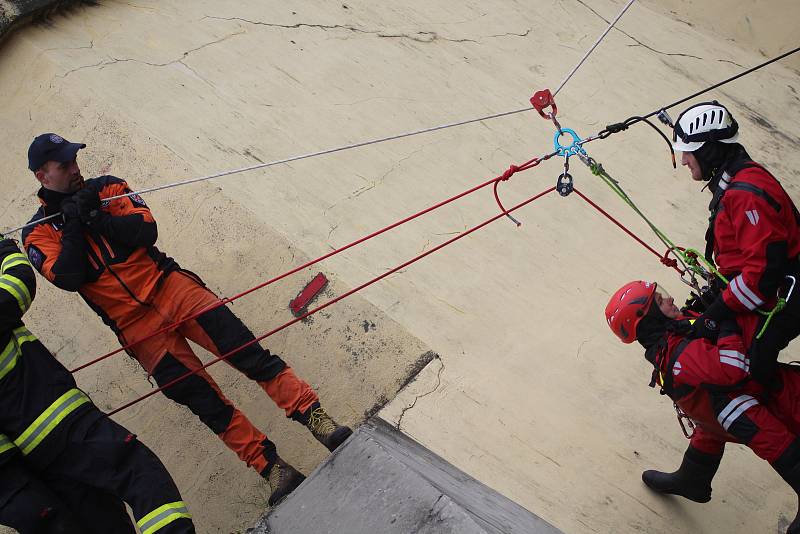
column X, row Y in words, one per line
column 696, row 328
column 719, row 311
column 707, row 325
column 705, row 328
column 88, row 202
column 699, row 302
column 70, row 211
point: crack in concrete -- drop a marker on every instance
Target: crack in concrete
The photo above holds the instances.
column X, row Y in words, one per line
column 360, row 191
column 512, row 34
column 419, row 37
column 731, row 62
column 578, row 353
column 414, row 403
column 90, row 46
column 632, row 38
column 113, row 60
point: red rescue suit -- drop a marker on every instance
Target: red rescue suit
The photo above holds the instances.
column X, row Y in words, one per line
column 756, row 237
column 711, row 384
column 754, row 234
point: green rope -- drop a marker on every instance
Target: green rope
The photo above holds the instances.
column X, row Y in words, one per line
column 598, row 170
column 779, row 306
column 689, row 257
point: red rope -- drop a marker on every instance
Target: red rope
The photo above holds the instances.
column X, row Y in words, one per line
column 512, row 170
column 669, row 262
column 334, row 300
column 505, row 176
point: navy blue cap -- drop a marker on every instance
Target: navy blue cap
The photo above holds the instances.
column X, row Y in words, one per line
column 51, row 147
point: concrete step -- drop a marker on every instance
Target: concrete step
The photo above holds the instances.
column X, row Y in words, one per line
column 382, row 481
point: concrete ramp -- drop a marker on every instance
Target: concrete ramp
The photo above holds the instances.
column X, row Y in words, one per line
column 382, row 481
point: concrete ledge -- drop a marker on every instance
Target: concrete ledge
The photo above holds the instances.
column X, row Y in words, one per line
column 383, row 481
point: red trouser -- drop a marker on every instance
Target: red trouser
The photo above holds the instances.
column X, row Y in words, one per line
column 169, row 356
column 768, row 427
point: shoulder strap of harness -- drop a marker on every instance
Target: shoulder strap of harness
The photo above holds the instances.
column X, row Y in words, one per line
column 716, row 202
column 667, row 388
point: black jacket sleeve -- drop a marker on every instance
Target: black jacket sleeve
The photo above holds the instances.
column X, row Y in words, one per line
column 131, row 230
column 69, row 270
column 17, row 282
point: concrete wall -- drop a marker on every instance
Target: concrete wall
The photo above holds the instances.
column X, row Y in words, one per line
column 768, row 27
column 532, row 395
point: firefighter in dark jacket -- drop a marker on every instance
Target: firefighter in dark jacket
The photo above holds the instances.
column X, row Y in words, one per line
column 105, row 250
column 753, row 233
column 711, row 386
column 58, row 450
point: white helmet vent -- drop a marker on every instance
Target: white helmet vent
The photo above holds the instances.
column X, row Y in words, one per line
column 701, row 123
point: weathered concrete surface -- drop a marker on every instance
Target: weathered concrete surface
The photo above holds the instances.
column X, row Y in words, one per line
column 383, row 481
column 532, row 395
column 17, row 13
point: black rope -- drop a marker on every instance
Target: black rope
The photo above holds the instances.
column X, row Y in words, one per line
column 627, row 123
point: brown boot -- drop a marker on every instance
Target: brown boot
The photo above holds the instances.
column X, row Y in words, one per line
column 283, row 479
column 325, row 429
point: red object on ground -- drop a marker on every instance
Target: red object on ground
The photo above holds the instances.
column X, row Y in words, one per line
column 299, row 304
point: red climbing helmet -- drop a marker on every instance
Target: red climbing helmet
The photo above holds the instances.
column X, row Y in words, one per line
column 627, row 307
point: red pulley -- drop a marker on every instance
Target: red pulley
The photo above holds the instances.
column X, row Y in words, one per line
column 541, row 100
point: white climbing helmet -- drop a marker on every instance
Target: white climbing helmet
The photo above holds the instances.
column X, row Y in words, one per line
column 708, row 121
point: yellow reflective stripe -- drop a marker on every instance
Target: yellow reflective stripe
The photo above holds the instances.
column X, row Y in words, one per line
column 18, row 289
column 12, row 260
column 49, row 419
column 5, row 444
column 162, row 516
column 23, row 335
column 8, row 358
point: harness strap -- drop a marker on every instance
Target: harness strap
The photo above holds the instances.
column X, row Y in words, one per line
column 716, row 202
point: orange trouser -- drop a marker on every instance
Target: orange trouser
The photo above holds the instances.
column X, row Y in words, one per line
column 169, row 356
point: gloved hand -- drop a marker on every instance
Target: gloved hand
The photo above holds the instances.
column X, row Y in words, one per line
column 696, row 328
column 694, row 303
column 699, row 302
column 88, row 202
column 705, row 328
column 70, row 211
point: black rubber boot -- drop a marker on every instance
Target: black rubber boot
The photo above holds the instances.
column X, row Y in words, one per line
column 692, row 480
column 788, row 467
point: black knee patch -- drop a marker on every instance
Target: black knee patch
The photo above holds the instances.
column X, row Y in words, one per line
column 228, row 332
column 194, row 393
